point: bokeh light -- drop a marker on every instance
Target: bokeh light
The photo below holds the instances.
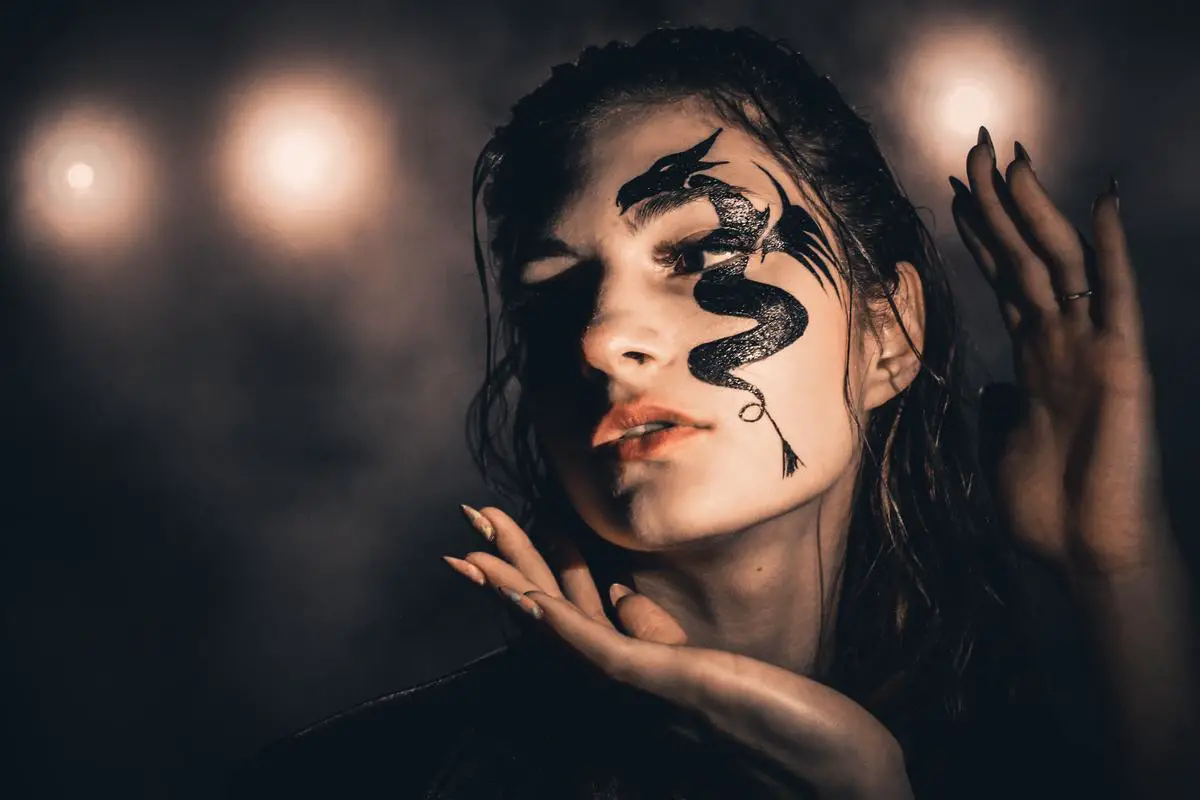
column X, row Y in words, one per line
column 954, row 77
column 80, row 176
column 86, row 182
column 305, row 159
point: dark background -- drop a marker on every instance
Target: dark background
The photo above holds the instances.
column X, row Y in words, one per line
column 230, row 469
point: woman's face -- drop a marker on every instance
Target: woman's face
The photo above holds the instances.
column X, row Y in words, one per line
column 687, row 279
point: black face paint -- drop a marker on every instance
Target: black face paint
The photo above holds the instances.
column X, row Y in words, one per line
column 725, row 289
column 669, row 173
column 798, row 234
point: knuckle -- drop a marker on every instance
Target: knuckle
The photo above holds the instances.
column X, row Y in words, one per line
column 1045, row 310
column 1025, row 260
column 1037, row 317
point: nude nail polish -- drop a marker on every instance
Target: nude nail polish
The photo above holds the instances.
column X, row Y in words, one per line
column 522, row 602
column 479, row 522
column 466, row 569
column 617, row 591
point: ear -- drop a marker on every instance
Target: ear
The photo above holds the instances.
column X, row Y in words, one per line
column 891, row 360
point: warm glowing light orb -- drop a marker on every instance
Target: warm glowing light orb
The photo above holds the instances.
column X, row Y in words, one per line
column 80, row 176
column 955, row 77
column 961, row 107
column 85, row 181
column 304, row 160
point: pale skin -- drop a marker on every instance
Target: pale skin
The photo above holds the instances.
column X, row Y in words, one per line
column 725, row 613
column 718, row 535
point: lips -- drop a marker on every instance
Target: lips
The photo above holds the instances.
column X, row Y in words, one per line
column 643, row 428
column 651, row 446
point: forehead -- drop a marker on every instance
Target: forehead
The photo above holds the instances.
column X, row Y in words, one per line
column 625, row 144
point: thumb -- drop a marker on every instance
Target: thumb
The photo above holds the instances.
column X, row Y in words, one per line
column 999, row 413
column 642, row 618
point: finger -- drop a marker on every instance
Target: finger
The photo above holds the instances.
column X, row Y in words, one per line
column 499, row 572
column 616, row 655
column 577, row 582
column 1000, row 217
column 514, row 545
column 971, row 229
column 966, row 217
column 1054, row 237
column 645, row 619
column 1118, row 297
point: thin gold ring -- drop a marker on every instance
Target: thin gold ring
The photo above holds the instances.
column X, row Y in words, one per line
column 1075, row 296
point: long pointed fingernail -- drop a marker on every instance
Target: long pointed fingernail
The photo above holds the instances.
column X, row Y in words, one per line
column 1115, row 190
column 466, row 569
column 986, row 138
column 522, row 602
column 479, row 522
column 960, row 189
column 1022, row 153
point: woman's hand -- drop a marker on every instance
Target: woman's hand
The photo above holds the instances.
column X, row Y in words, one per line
column 813, row 733
column 1077, row 474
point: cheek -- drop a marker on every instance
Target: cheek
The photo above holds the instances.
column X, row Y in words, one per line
column 806, row 387
column 736, row 479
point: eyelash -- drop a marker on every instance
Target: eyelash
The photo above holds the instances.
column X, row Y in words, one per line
column 675, row 255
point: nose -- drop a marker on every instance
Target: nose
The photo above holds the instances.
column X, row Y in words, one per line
column 626, row 340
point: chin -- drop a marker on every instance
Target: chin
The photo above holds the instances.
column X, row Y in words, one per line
column 672, row 508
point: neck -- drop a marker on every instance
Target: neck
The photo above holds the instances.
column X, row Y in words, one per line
column 768, row 592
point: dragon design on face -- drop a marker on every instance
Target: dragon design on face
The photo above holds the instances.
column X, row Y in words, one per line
column 671, row 173
column 725, row 289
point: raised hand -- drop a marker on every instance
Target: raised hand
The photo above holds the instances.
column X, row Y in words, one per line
column 1077, row 474
column 811, row 732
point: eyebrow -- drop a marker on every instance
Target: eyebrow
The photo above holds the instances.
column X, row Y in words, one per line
column 649, row 210
column 663, row 203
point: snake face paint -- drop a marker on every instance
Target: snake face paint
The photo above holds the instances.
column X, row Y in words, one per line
column 725, row 289
column 688, row 271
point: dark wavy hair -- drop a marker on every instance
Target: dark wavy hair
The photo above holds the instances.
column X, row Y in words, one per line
column 922, row 630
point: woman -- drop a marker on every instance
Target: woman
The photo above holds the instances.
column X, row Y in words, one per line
column 755, row 556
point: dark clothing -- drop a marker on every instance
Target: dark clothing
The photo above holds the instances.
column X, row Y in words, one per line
column 532, row 723
column 521, row 723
